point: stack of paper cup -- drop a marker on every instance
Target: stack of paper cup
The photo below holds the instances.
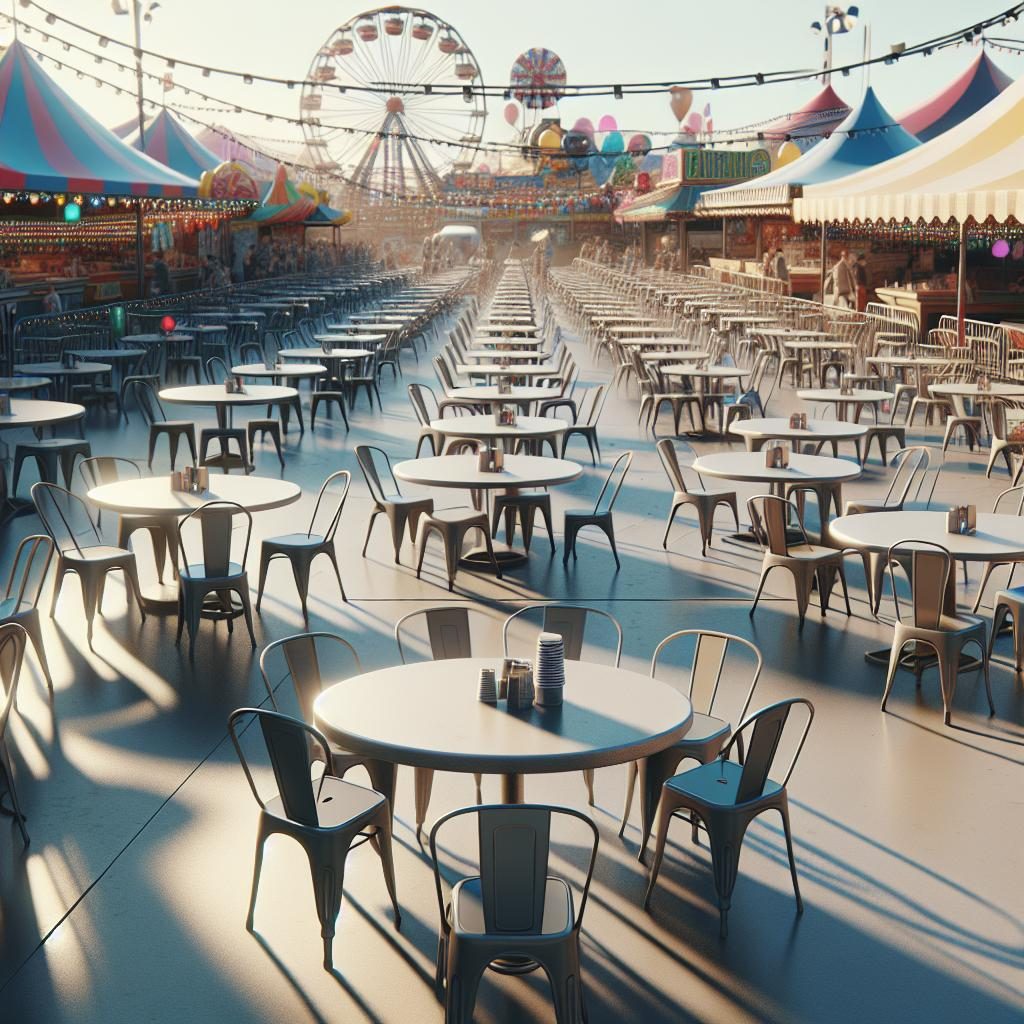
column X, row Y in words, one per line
column 550, row 678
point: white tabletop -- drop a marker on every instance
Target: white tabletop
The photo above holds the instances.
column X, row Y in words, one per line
column 819, row 346
column 214, row 394
column 792, row 332
column 152, row 495
column 461, row 471
column 865, row 396
column 495, row 343
column 426, row 715
column 516, row 394
column 969, row 389
column 32, row 412
column 922, row 361
column 291, row 370
column 750, row 467
column 817, row 430
column 23, row 383
column 57, row 369
column 998, row 537
column 513, row 370
column 319, row 353
column 722, row 372
column 507, row 328
column 483, row 426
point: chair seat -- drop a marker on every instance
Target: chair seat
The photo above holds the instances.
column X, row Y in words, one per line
column 1015, row 595
column 862, row 505
column 704, row 728
column 467, row 909
column 702, row 492
column 295, row 540
column 949, row 625
column 581, row 513
column 175, row 425
column 96, row 553
column 812, row 552
column 454, row 516
column 55, row 444
column 338, row 804
column 716, row 784
column 197, row 573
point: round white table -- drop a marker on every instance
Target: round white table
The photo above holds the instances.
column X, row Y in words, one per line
column 36, row 412
column 858, row 398
column 757, row 430
column 517, row 395
column 23, row 383
column 483, row 427
column 818, row 472
column 311, row 354
column 703, row 375
column 152, row 496
column 280, row 372
column 64, row 374
column 426, row 715
column 222, row 401
column 460, row 472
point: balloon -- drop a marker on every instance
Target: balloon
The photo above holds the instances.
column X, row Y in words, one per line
column 607, row 124
column 612, row 143
column 602, row 168
column 639, row 144
column 549, row 139
column 511, row 113
column 1001, row 249
column 680, row 101
column 694, row 123
column 483, row 169
column 707, row 111
column 788, row 152
column 585, row 126
column 1018, row 250
column 575, row 143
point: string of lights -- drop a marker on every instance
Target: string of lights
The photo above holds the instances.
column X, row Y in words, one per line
column 967, row 33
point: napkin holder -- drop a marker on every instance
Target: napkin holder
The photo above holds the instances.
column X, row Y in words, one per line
column 984, row 382
column 776, row 457
column 5, row 404
column 505, row 415
column 490, row 460
column 191, row 480
column 504, row 386
column 845, row 386
column 962, row 519
column 798, row 421
column 519, row 685
column 67, row 360
column 326, row 347
column 234, row 386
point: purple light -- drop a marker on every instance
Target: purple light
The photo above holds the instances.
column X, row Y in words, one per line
column 1001, row 249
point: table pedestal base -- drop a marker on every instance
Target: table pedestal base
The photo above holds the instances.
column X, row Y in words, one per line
column 160, row 598
column 916, row 659
column 479, row 560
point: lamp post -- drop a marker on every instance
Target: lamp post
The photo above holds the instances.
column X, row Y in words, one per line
column 138, row 16
column 836, row 22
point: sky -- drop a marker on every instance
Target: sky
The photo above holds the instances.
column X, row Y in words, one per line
column 598, row 41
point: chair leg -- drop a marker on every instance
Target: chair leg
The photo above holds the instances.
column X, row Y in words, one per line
column 666, row 806
column 588, row 781
column 631, row 773
column 784, row 813
column 257, row 868
column 265, row 559
column 423, row 784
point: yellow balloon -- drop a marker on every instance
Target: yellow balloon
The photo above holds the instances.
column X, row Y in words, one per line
column 788, row 152
column 550, row 139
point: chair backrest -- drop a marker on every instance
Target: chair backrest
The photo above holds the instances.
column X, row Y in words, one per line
column 107, row 469
column 65, row 517
column 763, row 732
column 930, row 566
column 515, row 845
column 1010, row 501
column 424, row 403
column 462, row 446
column 592, row 404
column 327, row 513
column 568, row 620
column 770, row 515
column 669, row 450
column 909, row 465
column 13, row 638
column 448, row 631
column 303, row 654
column 147, row 401
column 217, row 370
column 613, row 484
column 444, row 374
column 216, row 531
column 710, row 649
column 288, row 743
column 373, row 462
column 28, row 571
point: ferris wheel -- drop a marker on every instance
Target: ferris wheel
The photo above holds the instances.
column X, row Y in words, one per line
column 421, row 121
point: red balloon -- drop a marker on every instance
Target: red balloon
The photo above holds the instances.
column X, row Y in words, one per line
column 167, row 324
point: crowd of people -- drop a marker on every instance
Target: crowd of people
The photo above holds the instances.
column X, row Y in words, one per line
column 847, row 282
column 276, row 257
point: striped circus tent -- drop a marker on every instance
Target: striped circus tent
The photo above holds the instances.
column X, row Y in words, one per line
column 282, row 203
column 981, row 83
column 168, row 142
column 48, row 143
column 974, row 171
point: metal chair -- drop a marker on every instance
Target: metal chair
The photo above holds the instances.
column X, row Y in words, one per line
column 808, row 563
column 452, row 525
column 514, row 907
column 308, row 660
column 711, row 727
column 704, row 500
column 81, row 550
column 570, row 622
column 20, row 600
column 585, row 425
column 933, row 622
column 13, row 638
column 601, row 514
column 1002, row 445
column 302, row 548
column 388, row 498
column 206, row 584
column 449, row 636
column 1008, row 502
column 325, row 817
column 724, row 798
column 51, row 455
column 159, row 425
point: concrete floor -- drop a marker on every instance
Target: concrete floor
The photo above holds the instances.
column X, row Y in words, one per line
column 130, row 901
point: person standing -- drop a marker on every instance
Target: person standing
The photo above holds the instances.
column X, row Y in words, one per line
column 52, row 302
column 780, row 269
column 844, row 287
column 161, row 275
column 860, row 276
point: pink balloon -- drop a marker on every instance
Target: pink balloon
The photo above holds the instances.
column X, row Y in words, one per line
column 483, row 169
column 585, row 126
column 694, row 123
column 607, row 124
column 680, row 101
column 511, row 113
column 1001, row 249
